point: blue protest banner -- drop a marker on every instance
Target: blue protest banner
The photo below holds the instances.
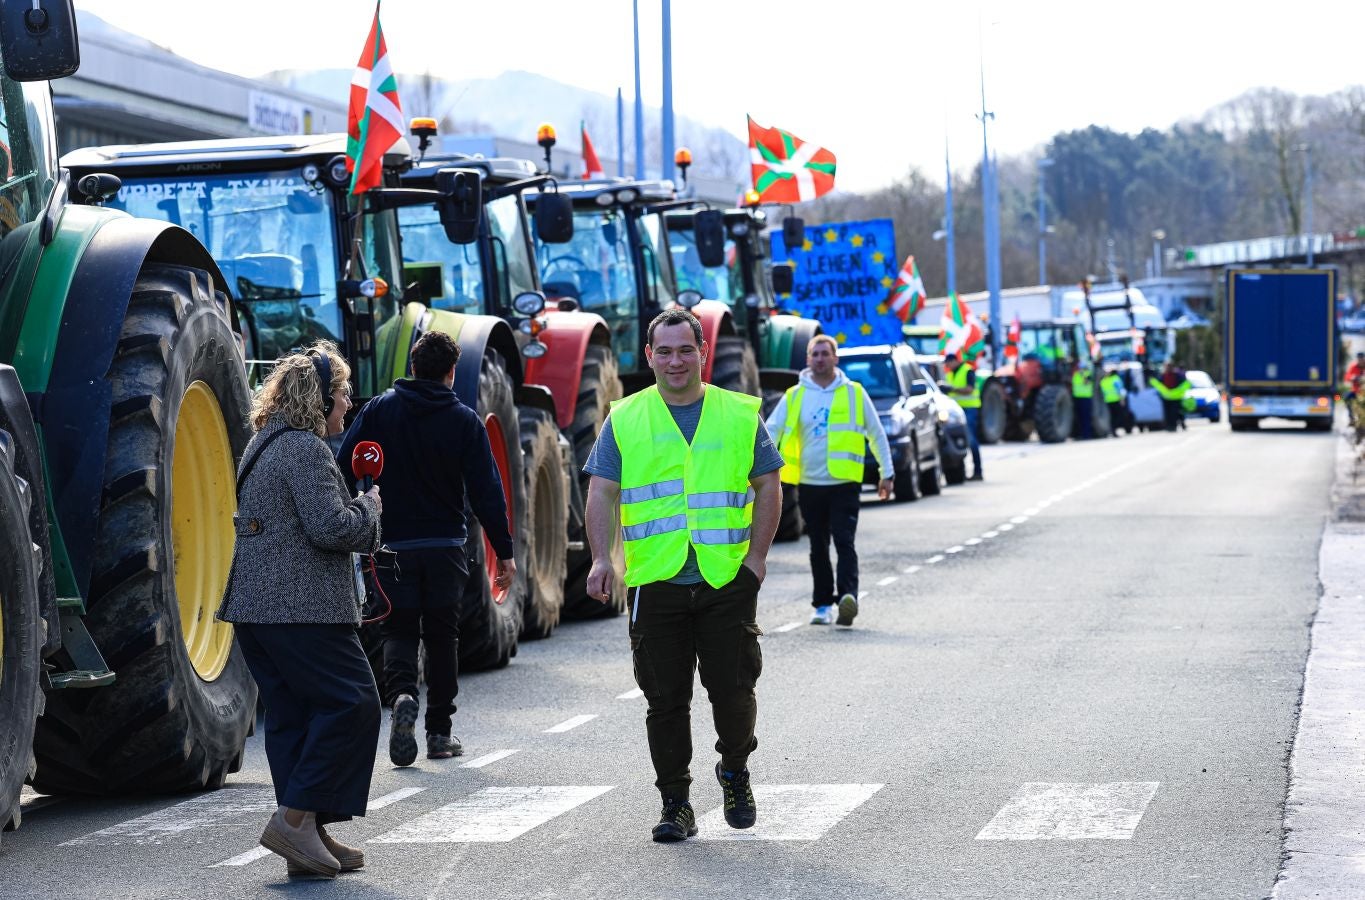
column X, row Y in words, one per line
column 844, row 275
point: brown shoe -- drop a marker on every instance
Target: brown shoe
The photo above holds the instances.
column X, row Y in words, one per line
column 301, row 846
column 348, row 858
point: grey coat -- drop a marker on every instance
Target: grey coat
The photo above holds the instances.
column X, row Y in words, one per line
column 297, row 525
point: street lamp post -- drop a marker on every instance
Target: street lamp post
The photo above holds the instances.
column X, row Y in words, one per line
column 1307, row 150
column 1042, row 221
column 1158, row 236
column 950, row 258
column 639, row 102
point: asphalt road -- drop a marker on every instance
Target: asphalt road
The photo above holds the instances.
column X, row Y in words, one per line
column 1079, row 678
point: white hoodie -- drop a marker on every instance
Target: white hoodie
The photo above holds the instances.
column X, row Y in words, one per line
column 815, row 405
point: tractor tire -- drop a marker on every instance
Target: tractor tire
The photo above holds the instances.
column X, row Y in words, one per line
column 490, row 620
column 905, row 481
column 1240, row 423
column 547, row 497
column 931, row 480
column 790, row 525
column 600, row 384
column 994, row 417
column 1100, row 425
column 178, row 715
column 21, row 634
column 735, row 367
column 1053, row 413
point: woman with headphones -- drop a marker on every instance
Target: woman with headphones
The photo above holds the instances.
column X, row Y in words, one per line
column 291, row 597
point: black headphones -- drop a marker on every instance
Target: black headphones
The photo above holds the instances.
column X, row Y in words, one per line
column 323, row 366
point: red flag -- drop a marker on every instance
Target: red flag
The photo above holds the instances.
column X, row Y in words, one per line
column 591, row 167
column 787, row 169
column 1012, row 338
column 374, row 122
column 907, row 295
column 961, row 332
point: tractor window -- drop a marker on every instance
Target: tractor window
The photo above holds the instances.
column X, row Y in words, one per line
column 595, row 267
column 507, row 224
column 274, row 238
column 651, row 239
column 25, row 157
column 426, row 247
column 724, row 283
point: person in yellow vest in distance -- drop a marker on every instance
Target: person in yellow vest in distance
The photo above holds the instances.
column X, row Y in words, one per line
column 822, row 427
column 1082, row 400
column 693, row 476
column 963, row 387
column 1115, row 394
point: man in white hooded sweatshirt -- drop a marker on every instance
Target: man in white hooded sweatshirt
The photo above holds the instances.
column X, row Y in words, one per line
column 822, row 427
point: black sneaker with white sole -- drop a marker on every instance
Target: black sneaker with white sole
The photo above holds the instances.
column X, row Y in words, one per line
column 848, row 610
column 740, row 811
column 678, row 822
column 403, row 734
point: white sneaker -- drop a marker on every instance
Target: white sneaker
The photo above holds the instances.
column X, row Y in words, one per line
column 823, row 615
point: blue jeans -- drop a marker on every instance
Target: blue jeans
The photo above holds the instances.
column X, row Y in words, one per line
column 973, row 421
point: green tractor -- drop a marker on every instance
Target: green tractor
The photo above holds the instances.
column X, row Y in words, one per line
column 306, row 260
column 123, row 411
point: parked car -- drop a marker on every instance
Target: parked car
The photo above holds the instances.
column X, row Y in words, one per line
column 1208, row 401
column 905, row 402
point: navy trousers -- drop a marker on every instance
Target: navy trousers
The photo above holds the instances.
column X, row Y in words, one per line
column 321, row 715
column 831, row 511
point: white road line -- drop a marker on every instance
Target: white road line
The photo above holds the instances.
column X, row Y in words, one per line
column 935, row 559
column 890, row 579
column 570, row 724
column 862, row 594
column 630, row 694
column 1042, row 810
column 243, row 859
column 389, row 799
column 910, row 570
column 791, row 812
column 987, row 535
column 790, row 626
column 972, row 542
column 1004, row 526
column 1019, row 520
column 956, row 548
column 488, row 759
column 1031, row 511
column 492, row 815
column 198, row 820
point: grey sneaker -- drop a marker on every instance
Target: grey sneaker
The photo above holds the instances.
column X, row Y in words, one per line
column 402, row 736
column 443, row 746
column 848, row 610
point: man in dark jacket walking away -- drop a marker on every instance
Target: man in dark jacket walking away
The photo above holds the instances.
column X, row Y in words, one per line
column 435, row 450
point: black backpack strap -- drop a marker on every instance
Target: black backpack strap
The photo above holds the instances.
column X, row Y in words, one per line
column 255, row 457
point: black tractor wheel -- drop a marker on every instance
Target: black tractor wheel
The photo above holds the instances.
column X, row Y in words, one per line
column 21, row 634
column 735, row 368
column 547, row 495
column 1053, row 413
column 789, row 523
column 1242, row 423
column 178, row 714
column 931, row 480
column 1100, row 425
column 490, row 619
column 905, row 482
column 993, row 416
column 600, row 384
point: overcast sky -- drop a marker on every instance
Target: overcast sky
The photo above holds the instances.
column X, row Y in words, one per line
column 881, row 84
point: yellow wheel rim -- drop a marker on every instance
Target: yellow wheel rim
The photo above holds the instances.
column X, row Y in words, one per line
column 203, row 500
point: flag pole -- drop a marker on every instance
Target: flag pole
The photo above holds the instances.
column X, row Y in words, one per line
column 666, row 166
column 620, row 135
column 639, row 102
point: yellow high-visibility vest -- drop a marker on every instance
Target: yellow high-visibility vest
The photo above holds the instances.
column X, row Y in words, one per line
column 675, row 494
column 1082, row 388
column 957, row 380
column 1109, row 386
column 847, row 435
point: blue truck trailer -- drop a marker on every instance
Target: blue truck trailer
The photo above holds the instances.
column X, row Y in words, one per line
column 1280, row 346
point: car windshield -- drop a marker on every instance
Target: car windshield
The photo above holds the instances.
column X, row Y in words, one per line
column 274, row 238
column 724, row 282
column 877, row 375
column 1198, row 379
column 923, row 344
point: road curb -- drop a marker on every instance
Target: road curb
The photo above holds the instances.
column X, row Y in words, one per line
column 1324, row 847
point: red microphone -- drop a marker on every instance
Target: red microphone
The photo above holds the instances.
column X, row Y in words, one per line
column 367, row 463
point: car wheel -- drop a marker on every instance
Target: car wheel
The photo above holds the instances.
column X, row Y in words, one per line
column 905, row 483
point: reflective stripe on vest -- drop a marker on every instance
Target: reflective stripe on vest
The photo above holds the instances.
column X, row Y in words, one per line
column 958, row 382
column 1081, row 386
column 846, row 435
column 1109, row 386
column 675, row 495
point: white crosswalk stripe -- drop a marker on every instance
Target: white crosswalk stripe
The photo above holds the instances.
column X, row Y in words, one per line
column 492, row 815
column 199, row 820
column 570, row 724
column 1042, row 810
column 790, row 812
column 488, row 758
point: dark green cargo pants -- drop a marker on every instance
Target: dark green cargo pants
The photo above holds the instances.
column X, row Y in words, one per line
column 676, row 629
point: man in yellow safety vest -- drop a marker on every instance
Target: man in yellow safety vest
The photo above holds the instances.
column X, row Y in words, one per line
column 1083, row 399
column 964, row 388
column 823, row 426
column 693, row 477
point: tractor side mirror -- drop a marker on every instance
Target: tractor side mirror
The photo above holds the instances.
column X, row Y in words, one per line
column 784, row 278
column 38, row 39
column 461, row 203
column 708, row 230
column 793, row 232
column 554, row 218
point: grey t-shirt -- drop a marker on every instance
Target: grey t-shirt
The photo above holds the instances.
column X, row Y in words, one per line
column 605, row 462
